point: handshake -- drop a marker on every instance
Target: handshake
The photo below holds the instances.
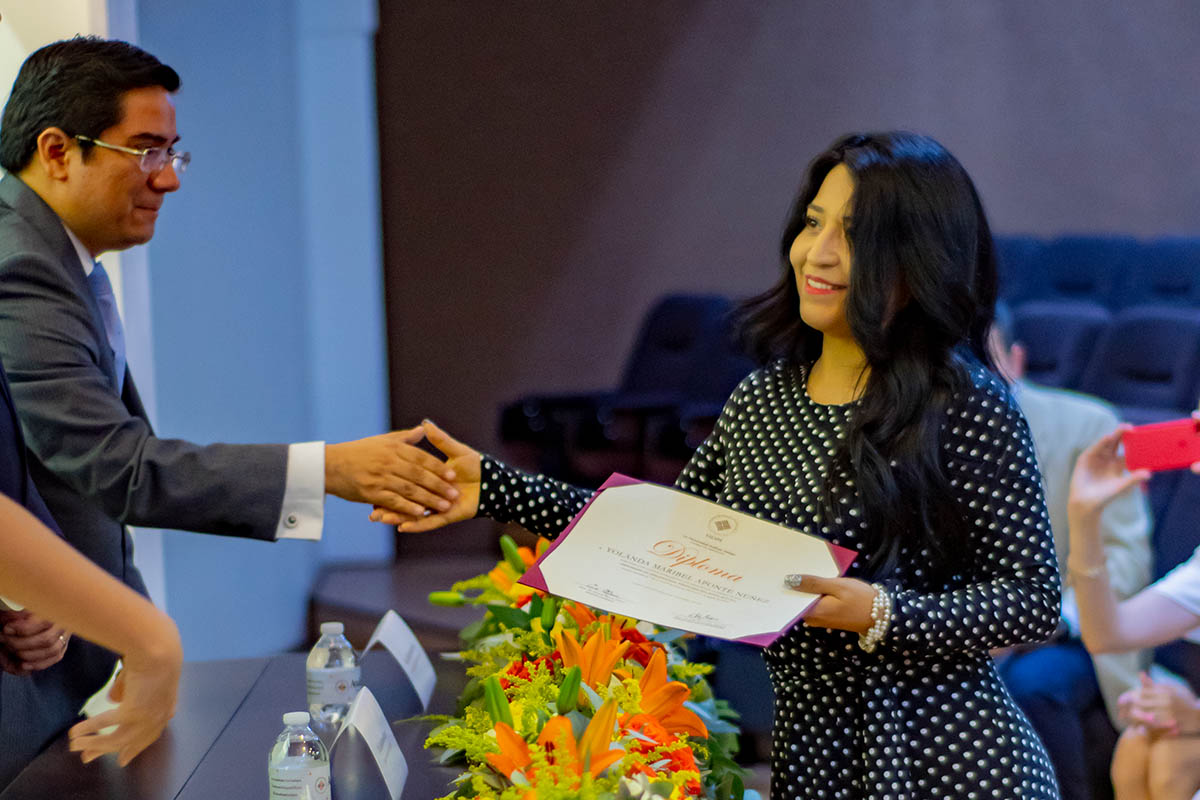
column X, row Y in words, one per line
column 407, row 486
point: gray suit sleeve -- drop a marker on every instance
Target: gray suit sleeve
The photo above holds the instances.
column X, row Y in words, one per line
column 76, row 425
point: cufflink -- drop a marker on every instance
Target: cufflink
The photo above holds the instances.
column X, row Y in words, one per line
column 291, row 521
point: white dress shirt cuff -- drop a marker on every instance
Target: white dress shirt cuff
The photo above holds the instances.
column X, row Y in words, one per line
column 303, row 512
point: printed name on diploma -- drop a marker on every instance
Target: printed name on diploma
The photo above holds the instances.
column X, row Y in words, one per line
column 674, row 556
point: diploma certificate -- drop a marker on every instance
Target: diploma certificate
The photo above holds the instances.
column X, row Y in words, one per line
column 677, row 560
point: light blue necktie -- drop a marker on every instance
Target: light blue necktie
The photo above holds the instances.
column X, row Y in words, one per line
column 103, row 292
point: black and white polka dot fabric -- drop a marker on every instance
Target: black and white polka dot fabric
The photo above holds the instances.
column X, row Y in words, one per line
column 925, row 715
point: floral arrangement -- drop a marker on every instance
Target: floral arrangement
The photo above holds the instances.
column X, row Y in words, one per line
column 563, row 702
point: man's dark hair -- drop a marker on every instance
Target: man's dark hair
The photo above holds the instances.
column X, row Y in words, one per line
column 75, row 85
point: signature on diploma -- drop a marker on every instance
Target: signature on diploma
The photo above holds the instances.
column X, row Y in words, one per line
column 600, row 591
column 700, row 618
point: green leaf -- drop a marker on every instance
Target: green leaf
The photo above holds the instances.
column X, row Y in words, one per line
column 470, row 633
column 510, row 617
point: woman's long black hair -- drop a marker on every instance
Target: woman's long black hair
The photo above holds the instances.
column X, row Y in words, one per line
column 921, row 294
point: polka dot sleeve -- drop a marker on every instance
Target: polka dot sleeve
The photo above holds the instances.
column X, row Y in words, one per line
column 704, row 473
column 540, row 504
column 1011, row 589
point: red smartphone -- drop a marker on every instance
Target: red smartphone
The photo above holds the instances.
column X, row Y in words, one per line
column 1163, row 445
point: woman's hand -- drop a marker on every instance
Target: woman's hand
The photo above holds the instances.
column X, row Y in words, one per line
column 1164, row 708
column 465, row 463
column 1100, row 476
column 146, row 692
column 844, row 603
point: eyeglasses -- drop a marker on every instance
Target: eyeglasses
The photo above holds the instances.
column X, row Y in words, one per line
column 150, row 159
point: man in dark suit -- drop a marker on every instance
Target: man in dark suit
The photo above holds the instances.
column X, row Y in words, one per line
column 87, row 138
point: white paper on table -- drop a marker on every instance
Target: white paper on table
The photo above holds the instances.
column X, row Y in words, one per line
column 677, row 560
column 395, row 635
column 367, row 718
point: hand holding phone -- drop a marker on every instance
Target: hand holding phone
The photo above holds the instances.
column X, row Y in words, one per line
column 1162, row 445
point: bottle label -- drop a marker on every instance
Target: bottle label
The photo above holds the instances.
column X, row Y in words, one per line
column 333, row 686
column 299, row 782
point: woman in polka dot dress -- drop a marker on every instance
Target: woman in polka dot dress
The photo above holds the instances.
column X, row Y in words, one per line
column 876, row 425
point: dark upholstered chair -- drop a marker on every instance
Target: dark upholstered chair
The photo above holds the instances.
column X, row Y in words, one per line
column 1059, row 336
column 1083, row 268
column 675, row 340
column 1017, row 260
column 1166, row 272
column 1149, row 359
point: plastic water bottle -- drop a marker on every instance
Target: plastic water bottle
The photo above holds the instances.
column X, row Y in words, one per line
column 333, row 676
column 298, row 768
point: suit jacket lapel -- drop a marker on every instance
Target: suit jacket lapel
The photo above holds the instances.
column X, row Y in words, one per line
column 26, row 203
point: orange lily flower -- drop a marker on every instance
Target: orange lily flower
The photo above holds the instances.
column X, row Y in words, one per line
column 557, row 740
column 500, row 576
column 592, row 751
column 514, row 753
column 527, row 556
column 664, row 699
column 505, row 578
column 596, row 658
column 582, row 615
column 679, row 759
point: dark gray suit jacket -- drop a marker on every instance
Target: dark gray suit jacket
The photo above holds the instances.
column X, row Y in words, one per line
column 22, row 699
column 93, row 455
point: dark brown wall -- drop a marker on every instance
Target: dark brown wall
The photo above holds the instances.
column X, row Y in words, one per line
column 550, row 168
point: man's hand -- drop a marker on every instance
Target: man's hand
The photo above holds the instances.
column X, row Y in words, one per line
column 30, row 643
column 845, row 603
column 387, row 471
column 464, row 462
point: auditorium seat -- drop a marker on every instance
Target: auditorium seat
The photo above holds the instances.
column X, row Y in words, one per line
column 672, row 343
column 1148, row 360
column 671, row 437
column 1058, row 336
column 624, row 437
column 1167, row 272
column 1082, row 268
column 1017, row 259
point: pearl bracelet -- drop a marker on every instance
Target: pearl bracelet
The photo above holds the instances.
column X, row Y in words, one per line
column 881, row 619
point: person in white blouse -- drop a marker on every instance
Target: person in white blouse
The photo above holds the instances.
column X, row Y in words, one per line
column 1158, row 756
column 1058, row 683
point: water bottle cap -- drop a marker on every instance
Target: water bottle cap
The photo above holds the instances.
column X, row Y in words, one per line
column 296, row 718
column 332, row 628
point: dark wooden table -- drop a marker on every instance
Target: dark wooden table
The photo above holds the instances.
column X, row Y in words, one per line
column 228, row 716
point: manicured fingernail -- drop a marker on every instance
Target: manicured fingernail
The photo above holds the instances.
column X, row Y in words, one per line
column 449, row 475
column 793, row 581
column 443, row 504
